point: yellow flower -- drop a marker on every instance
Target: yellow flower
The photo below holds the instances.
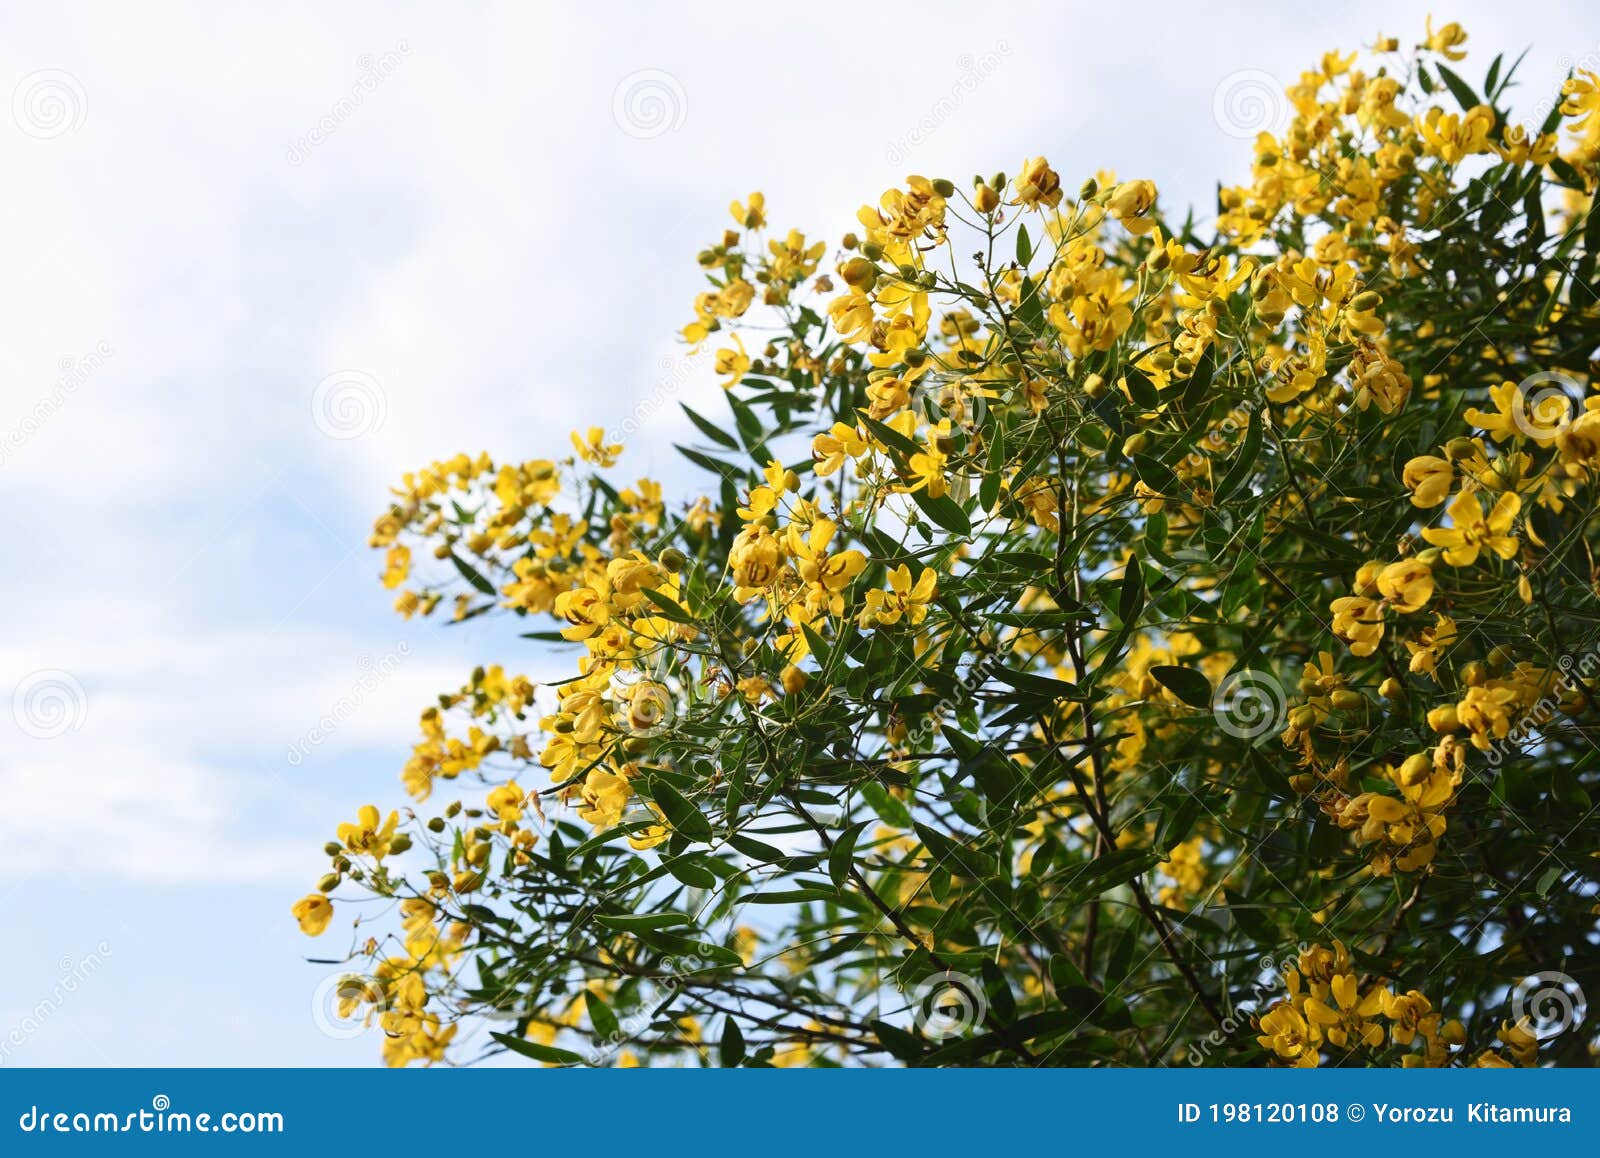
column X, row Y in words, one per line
column 755, row 559
column 1428, row 477
column 1287, row 1034
column 904, row 599
column 828, row 574
column 1471, row 532
column 732, row 364
column 1130, row 202
column 1406, row 585
column 585, row 612
column 313, row 911
column 506, row 801
column 1358, row 620
column 752, row 216
column 1502, row 424
column 366, row 835
column 594, row 448
column 1038, row 184
column 831, row 449
column 397, row 565
column 1446, row 40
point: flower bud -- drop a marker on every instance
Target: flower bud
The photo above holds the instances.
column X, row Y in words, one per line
column 436, row 824
column 850, row 241
column 1348, row 701
column 328, row 883
column 1415, row 770
column 1443, row 719
column 793, row 679
column 859, row 273
column 1088, row 189
column 399, row 843
column 1136, row 443
column 1390, row 689
column 1459, row 448
column 673, row 560
column 985, row 199
column 943, row 188
column 1367, row 301
column 872, row 251
column 1095, row 386
column 333, row 848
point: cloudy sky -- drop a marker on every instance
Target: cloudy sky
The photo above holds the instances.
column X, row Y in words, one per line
column 258, row 262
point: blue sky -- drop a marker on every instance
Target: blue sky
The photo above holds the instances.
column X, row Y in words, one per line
column 468, row 218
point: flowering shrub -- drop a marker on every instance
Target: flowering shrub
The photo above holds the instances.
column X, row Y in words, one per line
column 1082, row 607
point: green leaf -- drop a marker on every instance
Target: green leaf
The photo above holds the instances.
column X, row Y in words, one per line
column 945, row 511
column 840, row 857
column 691, row 872
column 1184, row 682
column 731, row 1048
column 888, row 435
column 890, row 808
column 706, row 462
column 1244, row 462
column 682, row 815
column 1140, row 388
column 710, row 429
column 541, row 1053
column 471, row 575
column 601, row 1017
column 1024, row 246
column 902, row 1045
column 629, row 922
column 1157, row 475
column 1460, row 89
